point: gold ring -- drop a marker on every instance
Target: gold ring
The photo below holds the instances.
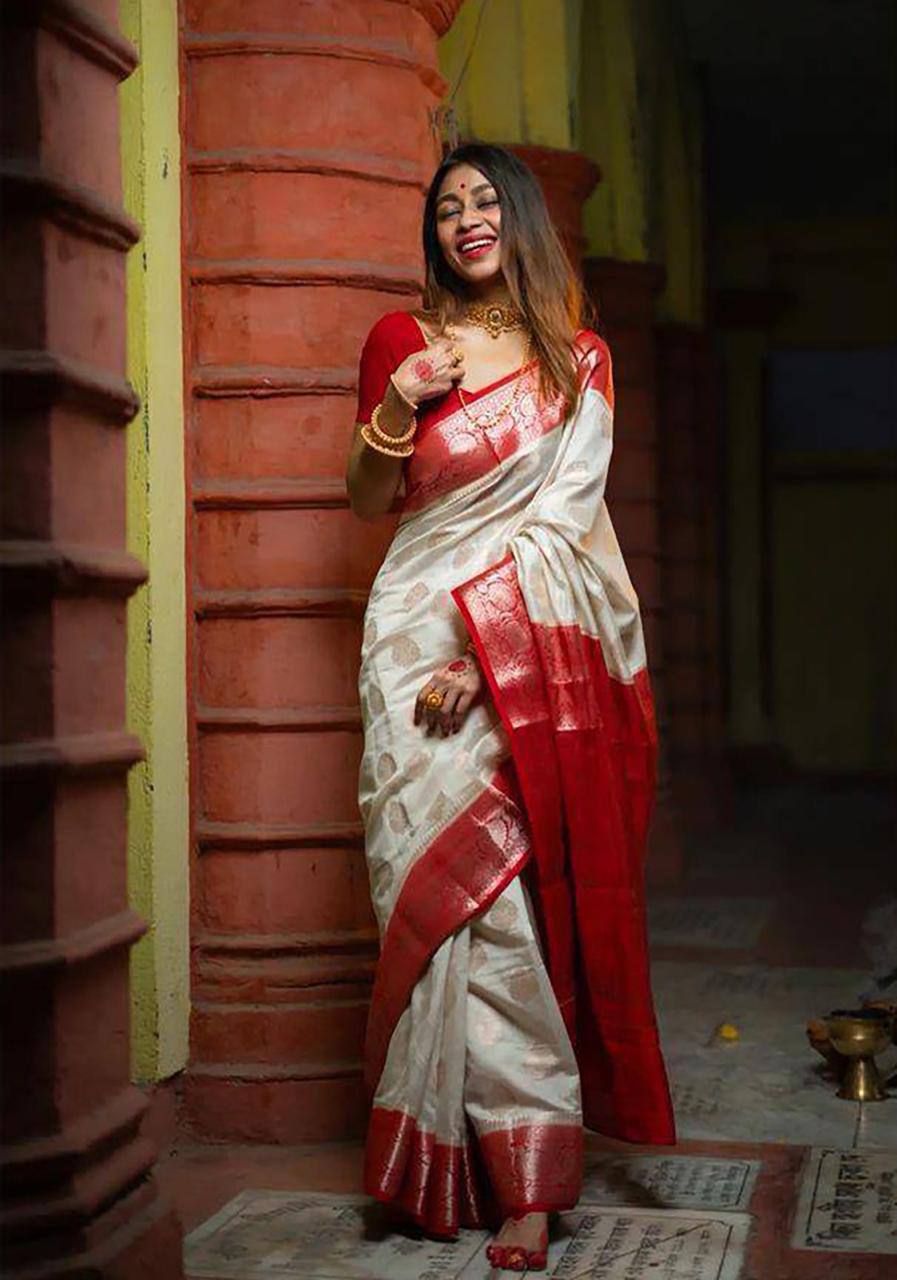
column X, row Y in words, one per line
column 457, row 356
column 434, row 700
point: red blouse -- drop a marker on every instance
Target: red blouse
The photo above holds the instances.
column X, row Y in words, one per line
column 390, row 341
column 451, row 451
column 397, row 334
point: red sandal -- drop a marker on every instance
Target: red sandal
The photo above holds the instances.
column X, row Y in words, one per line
column 515, row 1257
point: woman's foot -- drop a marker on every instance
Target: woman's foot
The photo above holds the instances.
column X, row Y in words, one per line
column 522, row 1244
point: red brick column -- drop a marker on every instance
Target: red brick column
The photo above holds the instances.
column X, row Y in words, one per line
column 689, row 521
column 80, row 1197
column 567, row 179
column 308, row 148
column 624, row 294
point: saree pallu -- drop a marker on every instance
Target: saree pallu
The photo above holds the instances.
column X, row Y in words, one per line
column 512, row 1000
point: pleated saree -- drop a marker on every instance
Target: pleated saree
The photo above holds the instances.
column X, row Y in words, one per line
column 512, row 1002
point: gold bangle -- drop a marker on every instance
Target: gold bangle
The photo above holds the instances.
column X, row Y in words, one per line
column 403, row 451
column 386, row 436
column 401, row 394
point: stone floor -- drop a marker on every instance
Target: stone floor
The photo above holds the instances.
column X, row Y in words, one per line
column 773, row 1177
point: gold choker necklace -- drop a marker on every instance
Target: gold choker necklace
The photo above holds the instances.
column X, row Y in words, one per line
column 495, row 317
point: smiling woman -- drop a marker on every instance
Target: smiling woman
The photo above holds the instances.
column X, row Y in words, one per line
column 509, row 734
column 465, row 246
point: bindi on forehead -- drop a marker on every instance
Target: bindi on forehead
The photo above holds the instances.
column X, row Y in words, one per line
column 462, row 186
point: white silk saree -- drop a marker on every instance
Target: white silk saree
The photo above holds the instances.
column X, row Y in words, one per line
column 512, row 1002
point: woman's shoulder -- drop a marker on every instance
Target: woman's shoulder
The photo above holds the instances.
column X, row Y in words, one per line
column 390, row 340
column 393, row 331
column 594, row 363
column 588, row 343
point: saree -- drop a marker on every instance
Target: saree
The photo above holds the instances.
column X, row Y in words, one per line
column 511, row 1003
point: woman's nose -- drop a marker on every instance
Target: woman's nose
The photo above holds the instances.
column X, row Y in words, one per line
column 470, row 216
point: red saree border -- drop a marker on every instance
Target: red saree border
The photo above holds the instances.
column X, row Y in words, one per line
column 534, row 1168
column 495, row 614
column 595, row 365
column 463, row 871
column 434, row 1183
column 451, row 453
column 586, row 769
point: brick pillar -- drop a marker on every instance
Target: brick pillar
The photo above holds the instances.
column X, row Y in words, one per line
column 308, row 148
column 624, row 294
column 567, row 179
column 80, row 1199
column 689, row 522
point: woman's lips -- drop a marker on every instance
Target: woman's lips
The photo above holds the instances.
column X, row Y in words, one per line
column 476, row 248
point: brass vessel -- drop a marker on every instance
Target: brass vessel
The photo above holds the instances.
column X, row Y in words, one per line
column 858, row 1035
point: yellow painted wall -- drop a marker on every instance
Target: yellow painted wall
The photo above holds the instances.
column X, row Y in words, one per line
column 612, row 132
column 608, row 78
column 158, row 800
column 517, row 86
column 639, row 118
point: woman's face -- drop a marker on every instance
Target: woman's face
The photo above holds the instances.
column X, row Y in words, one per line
column 468, row 222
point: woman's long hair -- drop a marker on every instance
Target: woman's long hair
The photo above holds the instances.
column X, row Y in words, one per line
column 535, row 266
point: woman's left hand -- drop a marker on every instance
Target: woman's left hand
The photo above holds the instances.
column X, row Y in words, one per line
column 460, row 683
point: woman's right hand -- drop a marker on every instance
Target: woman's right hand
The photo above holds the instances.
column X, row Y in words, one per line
column 426, row 374
column 459, row 685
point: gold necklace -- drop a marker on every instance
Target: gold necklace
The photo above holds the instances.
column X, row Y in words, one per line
column 495, row 317
column 509, row 403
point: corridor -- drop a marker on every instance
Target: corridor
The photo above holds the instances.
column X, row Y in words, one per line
column 208, row 205
column 773, row 1178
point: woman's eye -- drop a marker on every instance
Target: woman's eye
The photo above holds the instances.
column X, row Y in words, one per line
column 489, row 203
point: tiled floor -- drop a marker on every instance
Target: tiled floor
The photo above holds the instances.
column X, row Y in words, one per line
column 773, row 1178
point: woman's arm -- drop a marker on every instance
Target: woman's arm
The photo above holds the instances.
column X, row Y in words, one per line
column 372, row 478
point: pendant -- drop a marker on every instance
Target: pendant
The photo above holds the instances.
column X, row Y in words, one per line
column 495, row 318
column 494, row 321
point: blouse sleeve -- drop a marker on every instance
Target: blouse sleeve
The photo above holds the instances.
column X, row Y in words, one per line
column 384, row 350
column 595, row 365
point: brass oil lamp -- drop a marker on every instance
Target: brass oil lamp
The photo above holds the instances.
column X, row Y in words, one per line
column 857, row 1035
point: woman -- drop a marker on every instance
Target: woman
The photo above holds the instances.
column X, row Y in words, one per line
column 509, row 736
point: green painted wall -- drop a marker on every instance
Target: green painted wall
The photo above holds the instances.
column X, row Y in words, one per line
column 158, row 801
